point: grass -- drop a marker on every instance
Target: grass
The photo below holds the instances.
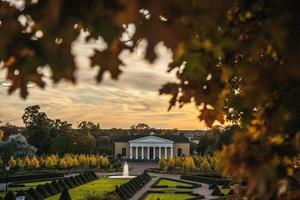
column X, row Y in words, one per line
column 171, row 183
column 169, row 192
column 225, row 190
column 100, row 187
column 155, row 196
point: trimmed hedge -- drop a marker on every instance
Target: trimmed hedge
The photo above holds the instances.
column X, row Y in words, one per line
column 57, row 186
column 127, row 190
column 10, row 196
column 50, row 189
column 42, row 190
column 23, row 193
column 208, row 180
column 159, row 186
column 217, row 192
column 35, row 194
column 32, row 176
column 212, row 186
column 65, row 195
column 61, row 185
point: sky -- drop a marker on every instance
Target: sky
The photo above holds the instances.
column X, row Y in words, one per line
column 132, row 99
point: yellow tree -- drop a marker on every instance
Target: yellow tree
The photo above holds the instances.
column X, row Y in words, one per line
column 34, row 162
column 1, row 134
column 204, row 165
column 12, row 162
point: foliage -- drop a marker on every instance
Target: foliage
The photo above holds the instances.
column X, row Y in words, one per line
column 65, row 195
column 140, row 129
column 185, row 163
column 1, row 134
column 67, row 161
column 235, row 60
column 215, row 139
column 16, row 146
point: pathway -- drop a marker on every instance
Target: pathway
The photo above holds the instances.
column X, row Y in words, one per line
column 142, row 191
column 203, row 190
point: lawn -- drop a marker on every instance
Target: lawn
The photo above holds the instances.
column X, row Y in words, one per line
column 155, row 196
column 225, row 190
column 100, row 186
column 171, row 183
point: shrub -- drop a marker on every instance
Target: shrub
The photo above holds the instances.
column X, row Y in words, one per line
column 35, row 194
column 208, row 180
column 10, row 196
column 65, row 195
column 84, row 179
column 27, row 196
column 217, row 192
column 69, row 182
column 50, row 189
column 63, row 184
column 79, row 180
column 212, row 186
column 32, row 176
column 74, row 180
column 57, row 186
column 41, row 189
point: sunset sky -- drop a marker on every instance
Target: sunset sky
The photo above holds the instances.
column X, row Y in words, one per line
column 132, row 99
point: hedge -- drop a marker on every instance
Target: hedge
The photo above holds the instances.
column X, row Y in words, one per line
column 35, row 194
column 212, row 186
column 27, row 196
column 10, row 196
column 42, row 190
column 208, row 180
column 127, row 190
column 50, row 189
column 217, row 192
column 32, row 176
column 57, row 186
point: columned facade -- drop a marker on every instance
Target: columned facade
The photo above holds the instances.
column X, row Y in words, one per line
column 150, row 148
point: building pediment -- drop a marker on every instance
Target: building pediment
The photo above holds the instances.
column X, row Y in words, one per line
column 151, row 140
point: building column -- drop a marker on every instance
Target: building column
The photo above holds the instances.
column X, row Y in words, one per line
column 142, row 153
column 148, row 152
column 159, row 152
column 166, row 153
column 154, row 156
column 130, row 152
column 136, row 152
column 172, row 152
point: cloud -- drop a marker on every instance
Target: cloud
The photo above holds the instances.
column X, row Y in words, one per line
column 131, row 99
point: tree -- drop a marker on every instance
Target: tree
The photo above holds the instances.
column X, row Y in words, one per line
column 205, row 141
column 235, row 60
column 1, row 134
column 16, row 146
column 8, row 129
column 37, row 128
column 90, row 127
column 140, row 129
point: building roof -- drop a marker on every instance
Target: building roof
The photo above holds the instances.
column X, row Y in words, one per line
column 175, row 138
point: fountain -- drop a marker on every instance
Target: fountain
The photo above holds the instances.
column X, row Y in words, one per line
column 125, row 173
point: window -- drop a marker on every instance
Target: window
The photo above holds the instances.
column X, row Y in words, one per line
column 123, row 151
column 179, row 152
